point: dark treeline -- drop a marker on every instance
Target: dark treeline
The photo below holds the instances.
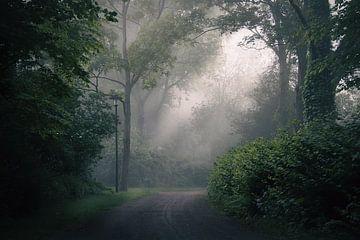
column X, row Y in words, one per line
column 50, row 129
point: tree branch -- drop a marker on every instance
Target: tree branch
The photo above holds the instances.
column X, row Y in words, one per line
column 262, row 38
column 169, row 86
column 112, row 5
column 299, row 14
column 134, row 80
column 204, row 32
column 161, row 8
column 112, row 80
column 87, row 89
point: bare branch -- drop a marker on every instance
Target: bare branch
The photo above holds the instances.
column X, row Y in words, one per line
column 112, row 80
column 262, row 38
column 169, row 86
column 87, row 89
column 93, row 84
column 204, row 32
column 134, row 80
column 112, row 5
column 119, row 12
column 299, row 14
column 161, row 8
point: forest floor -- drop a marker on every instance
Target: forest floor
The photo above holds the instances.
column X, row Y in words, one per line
column 184, row 215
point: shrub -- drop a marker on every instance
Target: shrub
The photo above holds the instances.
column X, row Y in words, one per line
column 310, row 178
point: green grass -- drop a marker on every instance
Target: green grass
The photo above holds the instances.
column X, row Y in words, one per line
column 68, row 214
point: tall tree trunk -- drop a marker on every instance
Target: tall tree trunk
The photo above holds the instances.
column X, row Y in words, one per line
column 127, row 103
column 141, row 120
column 284, row 84
column 141, row 97
column 140, row 114
column 161, row 8
column 156, row 112
column 302, row 67
column 284, row 70
column 319, row 92
column 126, row 140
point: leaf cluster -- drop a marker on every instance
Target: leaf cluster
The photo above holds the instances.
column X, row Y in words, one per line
column 307, row 179
column 152, row 50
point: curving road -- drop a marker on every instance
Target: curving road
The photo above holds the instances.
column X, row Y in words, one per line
column 166, row 216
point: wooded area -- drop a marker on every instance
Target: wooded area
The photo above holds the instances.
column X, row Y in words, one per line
column 280, row 144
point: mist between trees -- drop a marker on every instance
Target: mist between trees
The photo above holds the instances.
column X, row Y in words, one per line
column 194, row 79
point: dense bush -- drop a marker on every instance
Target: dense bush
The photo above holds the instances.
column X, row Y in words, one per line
column 50, row 130
column 310, row 178
column 39, row 167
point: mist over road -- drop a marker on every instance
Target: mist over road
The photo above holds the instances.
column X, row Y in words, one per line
column 166, row 216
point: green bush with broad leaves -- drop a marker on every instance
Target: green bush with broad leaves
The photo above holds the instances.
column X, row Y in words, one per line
column 310, row 178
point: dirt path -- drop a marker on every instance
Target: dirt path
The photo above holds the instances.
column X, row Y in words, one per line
column 167, row 216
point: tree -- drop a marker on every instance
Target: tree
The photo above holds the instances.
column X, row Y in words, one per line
column 259, row 119
column 345, row 62
column 45, row 47
column 150, row 54
column 156, row 94
column 319, row 86
column 272, row 23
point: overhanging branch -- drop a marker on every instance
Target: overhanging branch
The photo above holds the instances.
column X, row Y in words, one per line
column 204, row 32
column 112, row 80
column 299, row 13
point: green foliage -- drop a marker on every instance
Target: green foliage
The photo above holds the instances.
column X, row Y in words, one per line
column 262, row 118
column 309, row 179
column 345, row 61
column 152, row 50
column 50, row 131
column 53, row 151
column 270, row 21
column 91, row 121
column 64, row 33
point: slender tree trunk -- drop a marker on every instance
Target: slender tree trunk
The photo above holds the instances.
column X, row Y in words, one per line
column 141, row 116
column 161, row 8
column 284, row 70
column 141, row 97
column 301, row 52
column 284, row 85
column 127, row 103
column 126, row 140
column 302, row 66
column 156, row 112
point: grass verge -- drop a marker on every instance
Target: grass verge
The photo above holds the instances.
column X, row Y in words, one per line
column 68, row 214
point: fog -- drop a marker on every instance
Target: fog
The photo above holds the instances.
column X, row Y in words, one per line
column 139, row 119
column 238, row 67
column 195, row 121
column 214, row 90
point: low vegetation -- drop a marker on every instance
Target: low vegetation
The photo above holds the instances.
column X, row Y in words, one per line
column 309, row 179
